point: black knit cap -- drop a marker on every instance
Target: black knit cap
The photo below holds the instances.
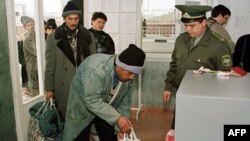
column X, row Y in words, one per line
column 70, row 8
column 132, row 56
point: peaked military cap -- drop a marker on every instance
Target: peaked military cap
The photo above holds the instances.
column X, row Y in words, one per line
column 192, row 12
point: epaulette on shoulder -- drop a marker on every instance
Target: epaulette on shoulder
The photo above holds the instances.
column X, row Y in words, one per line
column 217, row 36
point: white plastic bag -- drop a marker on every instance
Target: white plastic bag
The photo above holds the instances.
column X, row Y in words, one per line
column 130, row 137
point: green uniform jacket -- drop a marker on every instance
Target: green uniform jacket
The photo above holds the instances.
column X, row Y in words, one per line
column 210, row 52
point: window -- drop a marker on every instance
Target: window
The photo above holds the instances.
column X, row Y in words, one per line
column 158, row 26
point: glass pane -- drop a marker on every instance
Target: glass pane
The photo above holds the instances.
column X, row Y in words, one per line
column 52, row 15
column 26, row 45
column 158, row 26
column 26, row 40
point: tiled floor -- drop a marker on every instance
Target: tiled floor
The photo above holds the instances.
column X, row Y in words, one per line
column 153, row 123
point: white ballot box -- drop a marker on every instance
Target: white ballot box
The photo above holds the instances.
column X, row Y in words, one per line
column 205, row 103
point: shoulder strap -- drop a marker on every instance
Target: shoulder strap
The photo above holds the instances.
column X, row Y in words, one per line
column 211, row 22
column 218, row 36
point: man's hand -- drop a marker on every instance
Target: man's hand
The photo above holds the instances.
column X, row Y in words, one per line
column 166, row 96
column 49, row 95
column 120, row 136
column 124, row 124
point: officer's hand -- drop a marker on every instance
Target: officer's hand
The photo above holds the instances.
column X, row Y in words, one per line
column 49, row 95
column 166, row 96
column 124, row 124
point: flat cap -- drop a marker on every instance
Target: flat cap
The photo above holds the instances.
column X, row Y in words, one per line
column 192, row 12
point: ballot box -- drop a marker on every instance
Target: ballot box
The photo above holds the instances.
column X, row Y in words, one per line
column 206, row 103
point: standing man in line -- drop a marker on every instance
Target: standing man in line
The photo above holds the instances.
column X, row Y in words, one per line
column 104, row 43
column 66, row 48
column 28, row 25
column 100, row 94
column 51, row 26
column 219, row 17
column 30, row 55
column 197, row 47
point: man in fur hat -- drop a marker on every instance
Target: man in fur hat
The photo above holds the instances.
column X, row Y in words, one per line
column 66, row 48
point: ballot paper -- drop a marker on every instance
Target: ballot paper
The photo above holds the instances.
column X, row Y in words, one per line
column 235, row 71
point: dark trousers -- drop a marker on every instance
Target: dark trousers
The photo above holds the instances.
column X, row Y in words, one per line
column 24, row 76
column 104, row 130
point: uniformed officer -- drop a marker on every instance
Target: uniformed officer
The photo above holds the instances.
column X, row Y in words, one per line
column 195, row 48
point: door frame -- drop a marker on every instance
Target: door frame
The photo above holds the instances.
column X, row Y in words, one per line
column 22, row 108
